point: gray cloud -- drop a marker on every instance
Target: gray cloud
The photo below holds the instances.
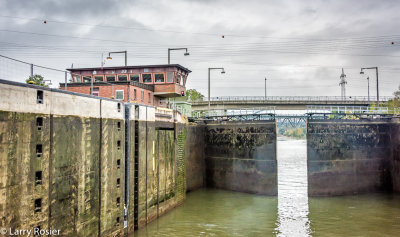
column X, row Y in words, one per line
column 301, row 47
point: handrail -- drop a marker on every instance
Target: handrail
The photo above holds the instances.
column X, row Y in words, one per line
column 347, row 109
column 298, row 98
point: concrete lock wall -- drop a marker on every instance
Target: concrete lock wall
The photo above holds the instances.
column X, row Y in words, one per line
column 195, row 157
column 348, row 157
column 241, row 156
column 67, row 164
column 395, row 135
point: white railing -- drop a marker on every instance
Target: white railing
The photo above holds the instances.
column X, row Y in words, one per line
column 229, row 112
column 298, row 98
column 347, row 109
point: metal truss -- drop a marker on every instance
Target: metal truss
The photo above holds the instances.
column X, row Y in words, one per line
column 291, row 119
column 242, row 117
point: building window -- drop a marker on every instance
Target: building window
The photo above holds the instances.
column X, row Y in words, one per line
column 122, row 77
column 118, row 163
column 38, row 177
column 150, row 98
column 39, row 123
column 77, row 78
column 118, row 201
column 110, row 77
column 134, row 94
column 86, row 79
column 170, row 77
column 98, row 78
column 38, row 205
column 142, row 95
column 119, row 94
column 178, row 78
column 39, row 150
column 134, row 78
column 118, row 144
column 182, row 80
column 39, row 97
column 96, row 91
column 118, row 182
column 159, row 77
column 147, row 78
column 119, row 126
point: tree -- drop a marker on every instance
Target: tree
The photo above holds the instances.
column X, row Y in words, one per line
column 36, row 80
column 397, row 94
column 394, row 104
column 191, row 96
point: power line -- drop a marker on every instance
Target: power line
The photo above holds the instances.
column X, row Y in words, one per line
column 188, row 32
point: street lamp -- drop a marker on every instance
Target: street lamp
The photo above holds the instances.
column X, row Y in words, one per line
column 124, row 52
column 265, row 97
column 377, row 81
column 170, row 49
column 209, row 70
column 368, row 89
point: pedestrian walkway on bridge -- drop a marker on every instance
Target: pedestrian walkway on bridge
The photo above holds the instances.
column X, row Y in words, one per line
column 284, row 102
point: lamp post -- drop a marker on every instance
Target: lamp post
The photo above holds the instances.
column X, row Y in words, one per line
column 209, row 70
column 377, row 81
column 124, row 52
column 265, row 96
column 170, row 49
column 368, row 89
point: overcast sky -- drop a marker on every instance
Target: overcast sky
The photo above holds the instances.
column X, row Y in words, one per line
column 299, row 46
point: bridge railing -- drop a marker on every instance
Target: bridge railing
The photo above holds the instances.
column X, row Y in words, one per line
column 232, row 112
column 312, row 109
column 298, row 98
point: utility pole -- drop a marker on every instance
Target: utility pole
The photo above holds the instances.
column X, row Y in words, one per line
column 342, row 84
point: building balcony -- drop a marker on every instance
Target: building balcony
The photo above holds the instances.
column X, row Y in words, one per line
column 168, row 90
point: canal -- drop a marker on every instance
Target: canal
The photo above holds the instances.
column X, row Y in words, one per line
column 211, row 212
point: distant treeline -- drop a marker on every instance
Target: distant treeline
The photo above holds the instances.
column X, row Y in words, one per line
column 295, row 132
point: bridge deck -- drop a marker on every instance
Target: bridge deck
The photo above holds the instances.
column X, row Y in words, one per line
column 284, row 102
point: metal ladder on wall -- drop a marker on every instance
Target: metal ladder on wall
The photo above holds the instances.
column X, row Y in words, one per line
column 136, row 171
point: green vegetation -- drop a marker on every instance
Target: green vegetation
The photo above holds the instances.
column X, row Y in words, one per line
column 293, row 132
column 335, row 115
column 394, row 104
column 298, row 132
column 36, row 80
column 191, row 96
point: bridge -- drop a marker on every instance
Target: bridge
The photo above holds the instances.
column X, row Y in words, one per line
column 293, row 120
column 283, row 102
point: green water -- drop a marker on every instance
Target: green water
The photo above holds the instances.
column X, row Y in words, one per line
column 210, row 212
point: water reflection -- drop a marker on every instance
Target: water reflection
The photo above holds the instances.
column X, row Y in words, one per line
column 292, row 189
column 210, row 212
column 362, row 215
